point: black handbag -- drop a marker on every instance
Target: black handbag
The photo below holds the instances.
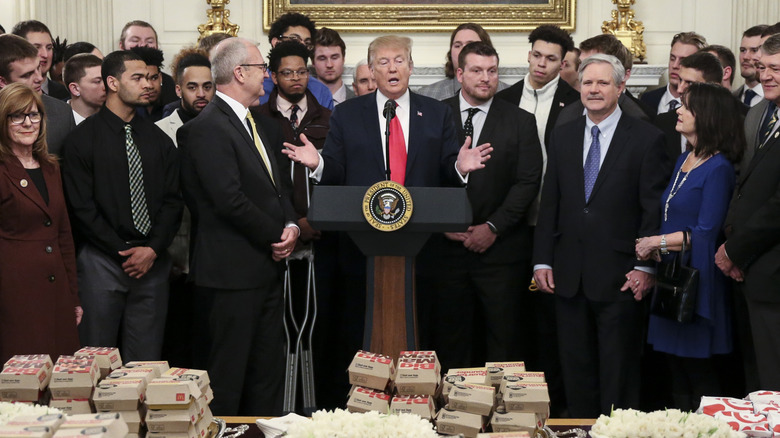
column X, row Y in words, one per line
column 676, row 288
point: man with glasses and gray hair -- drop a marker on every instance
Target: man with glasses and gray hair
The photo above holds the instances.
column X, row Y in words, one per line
column 236, row 184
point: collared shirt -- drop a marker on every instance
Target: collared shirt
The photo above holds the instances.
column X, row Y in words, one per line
column 607, row 129
column 663, row 105
column 539, row 103
column 401, row 111
column 317, row 88
column 285, row 107
column 446, row 88
column 759, row 90
column 77, row 117
column 45, row 86
column 96, row 179
column 478, row 120
column 340, row 95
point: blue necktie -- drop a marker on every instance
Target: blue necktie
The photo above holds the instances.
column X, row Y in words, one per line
column 749, row 95
column 592, row 162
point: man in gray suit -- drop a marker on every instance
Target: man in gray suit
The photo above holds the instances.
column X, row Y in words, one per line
column 19, row 63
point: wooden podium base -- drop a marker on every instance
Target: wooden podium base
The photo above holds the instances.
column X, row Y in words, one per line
column 391, row 323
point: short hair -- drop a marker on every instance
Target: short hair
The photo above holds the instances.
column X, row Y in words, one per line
column 477, row 48
column 226, row 56
column 76, row 48
column 724, row 54
column 209, row 42
column 719, row 123
column 327, row 37
column 771, row 46
column 553, row 35
column 114, row 64
column 188, row 57
column 22, row 28
column 150, row 56
column 618, row 72
column 755, row 31
column 14, row 48
column 390, row 41
column 283, row 50
column 139, row 23
column 15, row 99
column 449, row 68
column 770, row 30
column 691, row 38
column 75, row 68
column 707, row 63
column 609, row 44
column 288, row 20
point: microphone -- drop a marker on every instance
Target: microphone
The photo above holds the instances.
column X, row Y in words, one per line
column 389, row 111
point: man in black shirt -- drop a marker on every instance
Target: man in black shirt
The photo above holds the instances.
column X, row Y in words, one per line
column 121, row 179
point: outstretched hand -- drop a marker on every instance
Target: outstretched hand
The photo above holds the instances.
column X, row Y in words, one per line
column 306, row 154
column 471, row 159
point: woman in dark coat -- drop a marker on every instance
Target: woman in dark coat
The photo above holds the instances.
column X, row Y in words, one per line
column 39, row 308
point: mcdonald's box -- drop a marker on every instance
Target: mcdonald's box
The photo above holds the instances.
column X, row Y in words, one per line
column 25, row 381
column 371, row 370
column 108, row 358
column 74, row 377
column 363, row 399
column 421, row 405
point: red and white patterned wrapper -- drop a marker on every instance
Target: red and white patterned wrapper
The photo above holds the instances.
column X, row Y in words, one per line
column 766, row 408
column 711, row 405
column 746, row 422
column 764, row 397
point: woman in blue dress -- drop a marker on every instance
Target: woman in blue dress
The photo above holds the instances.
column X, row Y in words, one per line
column 696, row 201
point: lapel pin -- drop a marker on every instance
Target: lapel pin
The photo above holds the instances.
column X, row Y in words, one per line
column 23, row 183
column 419, row 113
column 561, row 104
column 777, row 134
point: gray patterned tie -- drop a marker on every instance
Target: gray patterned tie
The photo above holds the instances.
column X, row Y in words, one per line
column 137, row 194
column 592, row 162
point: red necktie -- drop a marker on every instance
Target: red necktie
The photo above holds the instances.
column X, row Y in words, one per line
column 397, row 151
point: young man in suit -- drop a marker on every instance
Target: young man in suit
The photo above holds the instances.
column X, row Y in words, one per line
column 751, row 252
column 19, row 63
column 236, row 185
column 750, row 93
column 39, row 36
column 667, row 98
column 85, row 84
column 328, row 62
column 479, row 272
column 602, row 190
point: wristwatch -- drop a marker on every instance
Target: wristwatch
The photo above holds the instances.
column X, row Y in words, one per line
column 492, row 227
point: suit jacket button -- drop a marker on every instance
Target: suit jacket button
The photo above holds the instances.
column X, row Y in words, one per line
column 51, row 279
column 47, row 223
column 585, row 210
column 49, row 250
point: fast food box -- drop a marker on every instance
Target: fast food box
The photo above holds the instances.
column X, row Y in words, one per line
column 160, row 365
column 73, row 406
column 420, row 357
column 74, row 377
column 764, row 396
column 504, row 435
column 50, row 420
column 145, row 373
column 31, row 431
column 107, row 425
column 371, row 370
column 526, row 422
column 172, row 420
column 472, row 398
column 454, row 422
column 25, row 358
column 200, row 377
column 773, row 418
column 197, row 430
column 170, row 393
column 496, row 370
column 521, row 377
column 91, row 432
column 711, row 405
column 134, row 419
column 415, row 378
column 421, row 405
column 746, row 422
column 460, row 375
column 528, row 397
column 107, row 358
column 24, row 381
column 119, row 394
column 766, row 408
column 367, row 399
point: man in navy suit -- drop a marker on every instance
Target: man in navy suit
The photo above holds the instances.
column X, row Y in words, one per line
column 683, row 44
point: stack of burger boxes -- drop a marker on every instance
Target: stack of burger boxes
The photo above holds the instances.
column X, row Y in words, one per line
column 24, row 379
column 467, row 400
column 72, row 383
column 32, row 426
column 178, row 404
column 416, row 382
column 107, row 358
column 524, row 402
column 371, row 377
column 123, row 391
column 101, row 425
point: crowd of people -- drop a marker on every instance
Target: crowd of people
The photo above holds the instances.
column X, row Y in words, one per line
column 160, row 213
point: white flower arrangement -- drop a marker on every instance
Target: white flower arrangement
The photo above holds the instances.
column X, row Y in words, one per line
column 341, row 423
column 9, row 411
column 670, row 423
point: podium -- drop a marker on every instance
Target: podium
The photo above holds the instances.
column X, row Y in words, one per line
column 390, row 318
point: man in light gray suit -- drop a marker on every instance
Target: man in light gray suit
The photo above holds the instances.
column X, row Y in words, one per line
column 19, row 63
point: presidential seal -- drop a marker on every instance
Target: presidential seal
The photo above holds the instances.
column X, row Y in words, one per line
column 387, row 206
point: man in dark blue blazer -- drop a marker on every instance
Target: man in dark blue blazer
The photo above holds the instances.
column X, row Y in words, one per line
column 683, row 44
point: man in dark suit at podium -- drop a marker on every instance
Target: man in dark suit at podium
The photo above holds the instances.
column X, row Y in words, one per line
column 481, row 268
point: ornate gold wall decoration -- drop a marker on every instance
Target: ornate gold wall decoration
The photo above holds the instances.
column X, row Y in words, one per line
column 626, row 29
column 218, row 20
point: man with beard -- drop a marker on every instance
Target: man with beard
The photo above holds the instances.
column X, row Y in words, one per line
column 121, row 179
column 194, row 85
column 85, row 83
column 154, row 61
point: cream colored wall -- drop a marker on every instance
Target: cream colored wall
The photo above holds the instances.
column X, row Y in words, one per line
column 100, row 22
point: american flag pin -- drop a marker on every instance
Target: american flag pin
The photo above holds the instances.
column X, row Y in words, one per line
column 419, row 113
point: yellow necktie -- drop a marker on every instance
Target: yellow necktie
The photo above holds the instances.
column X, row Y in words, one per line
column 259, row 145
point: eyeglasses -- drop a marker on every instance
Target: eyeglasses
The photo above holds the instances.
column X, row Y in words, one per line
column 297, row 38
column 18, row 119
column 288, row 74
column 262, row 67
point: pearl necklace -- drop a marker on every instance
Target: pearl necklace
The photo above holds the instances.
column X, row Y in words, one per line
column 675, row 188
